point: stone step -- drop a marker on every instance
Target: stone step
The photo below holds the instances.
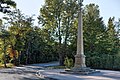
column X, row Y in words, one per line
column 80, row 71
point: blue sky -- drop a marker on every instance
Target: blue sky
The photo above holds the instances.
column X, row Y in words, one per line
column 108, row 8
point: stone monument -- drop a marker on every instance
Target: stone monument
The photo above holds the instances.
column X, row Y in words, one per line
column 79, row 66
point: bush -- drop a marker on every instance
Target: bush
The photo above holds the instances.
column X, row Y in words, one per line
column 111, row 62
column 68, row 62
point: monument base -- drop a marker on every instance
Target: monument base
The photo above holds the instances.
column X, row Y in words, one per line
column 82, row 71
column 80, row 67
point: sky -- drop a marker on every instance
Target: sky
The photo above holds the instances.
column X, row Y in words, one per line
column 108, row 8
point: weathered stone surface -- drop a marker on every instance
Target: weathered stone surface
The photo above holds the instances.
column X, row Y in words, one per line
column 79, row 61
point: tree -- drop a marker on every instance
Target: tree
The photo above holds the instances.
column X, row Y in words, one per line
column 112, row 37
column 19, row 26
column 118, row 32
column 4, row 35
column 68, row 23
column 57, row 16
column 51, row 14
column 117, row 28
column 9, row 4
column 94, row 29
column 28, row 40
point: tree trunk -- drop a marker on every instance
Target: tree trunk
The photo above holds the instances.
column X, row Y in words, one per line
column 61, row 59
column 5, row 60
column 27, row 53
column 19, row 57
column 61, row 54
column 5, row 55
column 15, row 60
column 66, row 37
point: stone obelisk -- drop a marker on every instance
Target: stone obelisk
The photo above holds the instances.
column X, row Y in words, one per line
column 80, row 57
column 80, row 66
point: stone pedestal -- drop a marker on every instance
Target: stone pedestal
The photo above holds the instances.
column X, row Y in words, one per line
column 79, row 61
column 81, row 71
column 79, row 67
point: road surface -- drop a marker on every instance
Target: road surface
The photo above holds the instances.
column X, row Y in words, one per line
column 31, row 72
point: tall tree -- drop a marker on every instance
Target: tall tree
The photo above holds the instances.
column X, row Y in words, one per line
column 4, row 35
column 112, row 37
column 117, row 27
column 20, row 25
column 68, row 22
column 51, row 14
column 94, row 29
column 57, row 16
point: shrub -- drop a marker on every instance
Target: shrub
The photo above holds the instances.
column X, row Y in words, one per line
column 68, row 62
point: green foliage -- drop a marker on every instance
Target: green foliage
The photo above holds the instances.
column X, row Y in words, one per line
column 68, row 62
column 112, row 38
column 58, row 35
column 32, row 44
column 94, row 29
column 105, row 61
column 4, row 35
column 9, row 4
column 1, row 57
column 9, row 65
column 58, row 17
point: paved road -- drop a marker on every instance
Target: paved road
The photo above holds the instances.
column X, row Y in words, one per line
column 29, row 73
column 23, row 73
column 102, row 75
column 19, row 73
